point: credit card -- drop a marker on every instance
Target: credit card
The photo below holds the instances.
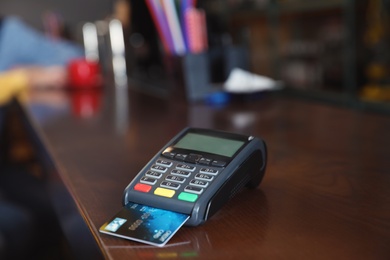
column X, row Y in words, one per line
column 144, row 224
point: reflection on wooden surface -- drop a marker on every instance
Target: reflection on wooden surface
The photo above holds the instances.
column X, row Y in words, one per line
column 325, row 193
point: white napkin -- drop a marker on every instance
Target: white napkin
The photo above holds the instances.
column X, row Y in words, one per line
column 241, row 81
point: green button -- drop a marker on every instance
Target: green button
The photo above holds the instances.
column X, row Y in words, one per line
column 188, row 196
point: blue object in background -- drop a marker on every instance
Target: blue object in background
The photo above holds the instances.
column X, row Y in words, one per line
column 217, row 98
column 22, row 45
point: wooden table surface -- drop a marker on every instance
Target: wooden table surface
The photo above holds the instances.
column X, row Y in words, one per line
column 325, row 194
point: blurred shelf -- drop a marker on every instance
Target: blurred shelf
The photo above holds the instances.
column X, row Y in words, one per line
column 339, row 99
column 285, row 7
column 308, row 6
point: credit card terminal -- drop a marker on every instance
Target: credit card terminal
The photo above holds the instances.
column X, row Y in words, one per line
column 198, row 171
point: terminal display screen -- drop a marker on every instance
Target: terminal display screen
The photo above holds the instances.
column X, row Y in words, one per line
column 209, row 144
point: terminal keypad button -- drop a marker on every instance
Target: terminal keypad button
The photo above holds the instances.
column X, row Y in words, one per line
column 189, row 178
column 175, row 178
column 164, row 192
column 169, row 155
column 218, row 163
column 180, row 173
column 208, row 171
column 188, row 196
column 205, row 161
column 159, row 168
column 180, row 156
column 205, row 177
column 153, row 174
column 193, row 158
column 142, row 187
column 164, row 163
column 185, row 167
column 170, row 185
column 148, row 180
column 193, row 189
column 199, row 183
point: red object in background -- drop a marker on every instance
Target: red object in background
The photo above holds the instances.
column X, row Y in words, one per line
column 86, row 103
column 84, row 74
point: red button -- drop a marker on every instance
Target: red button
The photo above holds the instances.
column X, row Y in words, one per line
column 142, row 187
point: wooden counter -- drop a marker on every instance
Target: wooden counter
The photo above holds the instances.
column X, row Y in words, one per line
column 325, row 194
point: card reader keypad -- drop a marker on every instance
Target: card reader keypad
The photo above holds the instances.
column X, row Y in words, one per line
column 184, row 180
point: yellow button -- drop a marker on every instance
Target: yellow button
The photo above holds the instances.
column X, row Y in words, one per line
column 164, row 192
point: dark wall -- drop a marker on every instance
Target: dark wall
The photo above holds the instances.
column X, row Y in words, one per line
column 72, row 11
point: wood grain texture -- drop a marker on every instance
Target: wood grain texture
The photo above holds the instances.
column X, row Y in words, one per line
column 325, row 194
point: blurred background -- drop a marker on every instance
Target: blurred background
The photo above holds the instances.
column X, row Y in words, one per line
column 332, row 50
